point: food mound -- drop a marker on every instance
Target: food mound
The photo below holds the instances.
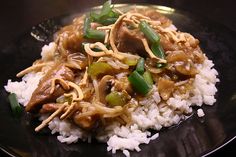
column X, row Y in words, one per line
column 113, row 75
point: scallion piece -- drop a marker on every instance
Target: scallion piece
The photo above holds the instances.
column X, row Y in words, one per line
column 138, row 83
column 97, row 68
column 155, row 41
column 149, row 32
column 116, row 99
column 106, row 9
column 15, row 106
column 90, row 33
column 159, row 52
column 87, row 26
column 107, row 16
column 95, row 34
column 108, row 21
column 130, row 62
column 148, row 77
column 140, row 66
column 94, row 16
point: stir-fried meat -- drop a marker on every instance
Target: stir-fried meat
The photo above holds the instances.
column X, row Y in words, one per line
column 129, row 40
column 70, row 37
column 123, row 84
column 49, row 108
column 167, row 45
column 42, row 93
column 85, row 122
column 77, row 60
column 72, row 41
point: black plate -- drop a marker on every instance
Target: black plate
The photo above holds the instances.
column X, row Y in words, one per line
column 193, row 137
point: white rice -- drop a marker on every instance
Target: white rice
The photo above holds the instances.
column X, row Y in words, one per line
column 24, row 88
column 200, row 113
column 151, row 113
column 69, row 133
column 126, row 153
column 48, row 51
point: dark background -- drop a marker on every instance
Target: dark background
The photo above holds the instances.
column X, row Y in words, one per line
column 18, row 16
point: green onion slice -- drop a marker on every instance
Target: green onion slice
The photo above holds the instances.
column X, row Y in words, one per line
column 140, row 66
column 107, row 16
column 15, row 106
column 148, row 77
column 116, row 99
column 159, row 52
column 95, row 34
column 90, row 33
column 138, row 83
column 97, row 68
column 149, row 32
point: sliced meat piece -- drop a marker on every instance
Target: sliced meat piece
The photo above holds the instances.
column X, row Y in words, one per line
column 77, row 60
column 167, row 45
column 42, row 95
column 49, row 108
column 71, row 37
column 86, row 123
column 129, row 40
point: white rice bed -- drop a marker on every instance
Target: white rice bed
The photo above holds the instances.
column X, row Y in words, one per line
column 149, row 115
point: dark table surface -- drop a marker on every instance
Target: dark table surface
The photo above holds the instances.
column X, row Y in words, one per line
column 17, row 16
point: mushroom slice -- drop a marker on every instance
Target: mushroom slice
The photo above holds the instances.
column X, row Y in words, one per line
column 165, row 88
column 104, row 86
